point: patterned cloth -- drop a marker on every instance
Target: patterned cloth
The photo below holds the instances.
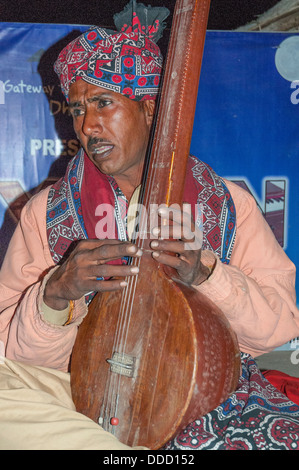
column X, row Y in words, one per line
column 127, row 61
column 255, row 417
column 217, row 207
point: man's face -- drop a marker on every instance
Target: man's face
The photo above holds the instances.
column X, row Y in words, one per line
column 112, row 129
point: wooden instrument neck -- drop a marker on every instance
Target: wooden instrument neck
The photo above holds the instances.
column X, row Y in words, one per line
column 169, row 153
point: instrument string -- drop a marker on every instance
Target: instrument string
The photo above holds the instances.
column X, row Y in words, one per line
column 112, row 388
column 125, row 312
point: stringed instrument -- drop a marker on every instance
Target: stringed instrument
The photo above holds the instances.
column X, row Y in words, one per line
column 152, row 358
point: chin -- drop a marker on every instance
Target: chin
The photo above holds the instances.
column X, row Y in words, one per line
column 105, row 169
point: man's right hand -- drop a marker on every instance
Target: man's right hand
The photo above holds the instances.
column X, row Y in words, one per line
column 88, row 262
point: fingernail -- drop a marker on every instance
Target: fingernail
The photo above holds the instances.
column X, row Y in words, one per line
column 155, row 254
column 132, row 249
column 162, row 211
column 154, row 244
column 156, row 231
column 135, row 269
column 123, row 284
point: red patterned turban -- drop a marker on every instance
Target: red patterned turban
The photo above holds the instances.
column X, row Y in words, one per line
column 127, row 61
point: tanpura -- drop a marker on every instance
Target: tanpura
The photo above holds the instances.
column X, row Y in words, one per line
column 150, row 359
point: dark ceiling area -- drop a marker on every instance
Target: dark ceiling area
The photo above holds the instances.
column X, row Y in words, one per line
column 224, row 14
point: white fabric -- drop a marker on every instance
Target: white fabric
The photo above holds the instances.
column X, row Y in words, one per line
column 37, row 413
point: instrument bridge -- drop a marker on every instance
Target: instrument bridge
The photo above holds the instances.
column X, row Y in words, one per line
column 122, row 364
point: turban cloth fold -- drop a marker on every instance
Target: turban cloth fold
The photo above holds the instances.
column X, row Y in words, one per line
column 127, row 61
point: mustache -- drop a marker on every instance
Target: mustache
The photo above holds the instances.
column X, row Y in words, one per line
column 95, row 141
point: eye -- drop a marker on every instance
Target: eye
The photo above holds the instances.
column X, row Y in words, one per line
column 75, row 112
column 104, row 102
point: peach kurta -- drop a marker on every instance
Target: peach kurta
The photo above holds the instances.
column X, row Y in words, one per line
column 256, row 291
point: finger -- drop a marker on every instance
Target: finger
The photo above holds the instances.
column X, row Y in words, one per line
column 176, row 247
column 172, row 246
column 191, row 240
column 175, row 231
column 111, row 285
column 172, row 261
column 178, row 224
column 92, row 243
column 107, row 285
column 116, row 245
column 108, row 252
column 175, row 214
column 97, row 284
column 110, row 270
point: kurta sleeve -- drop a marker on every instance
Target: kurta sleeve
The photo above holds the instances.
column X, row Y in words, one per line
column 256, row 291
column 27, row 336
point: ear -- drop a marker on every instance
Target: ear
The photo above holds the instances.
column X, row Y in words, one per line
column 149, row 107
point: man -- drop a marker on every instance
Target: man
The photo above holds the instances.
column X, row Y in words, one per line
column 45, row 283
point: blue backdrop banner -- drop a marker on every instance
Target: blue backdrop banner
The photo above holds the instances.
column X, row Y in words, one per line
column 246, row 123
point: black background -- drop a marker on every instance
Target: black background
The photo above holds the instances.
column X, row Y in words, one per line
column 224, row 14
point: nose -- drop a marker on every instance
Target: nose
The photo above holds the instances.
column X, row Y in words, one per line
column 92, row 124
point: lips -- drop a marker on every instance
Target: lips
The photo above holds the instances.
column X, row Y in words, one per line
column 100, row 149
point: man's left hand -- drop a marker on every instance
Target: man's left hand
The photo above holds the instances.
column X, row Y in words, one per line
column 179, row 244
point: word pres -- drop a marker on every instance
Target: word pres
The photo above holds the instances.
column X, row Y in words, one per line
column 54, row 147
